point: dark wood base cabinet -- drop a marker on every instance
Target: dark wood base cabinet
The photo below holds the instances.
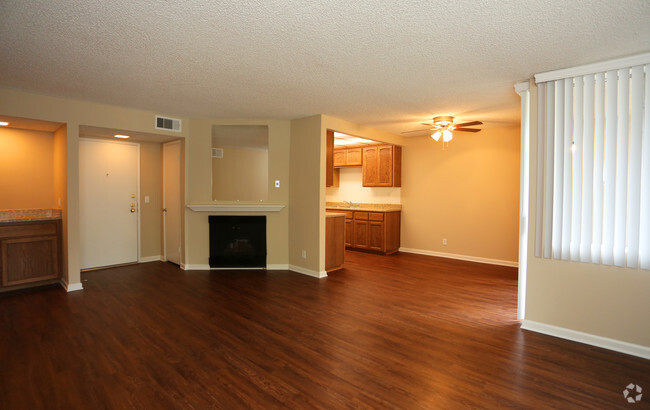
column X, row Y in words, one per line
column 377, row 231
column 30, row 253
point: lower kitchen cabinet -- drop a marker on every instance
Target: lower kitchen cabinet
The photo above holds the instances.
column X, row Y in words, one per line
column 30, row 252
column 377, row 231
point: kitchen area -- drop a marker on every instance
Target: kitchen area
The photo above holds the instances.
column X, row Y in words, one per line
column 363, row 209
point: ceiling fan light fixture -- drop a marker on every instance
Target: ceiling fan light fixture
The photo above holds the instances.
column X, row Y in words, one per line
column 446, row 136
column 443, row 120
column 436, row 135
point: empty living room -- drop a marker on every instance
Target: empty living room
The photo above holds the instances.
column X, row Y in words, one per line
column 286, row 204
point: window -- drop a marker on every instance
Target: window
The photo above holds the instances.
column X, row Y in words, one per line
column 594, row 164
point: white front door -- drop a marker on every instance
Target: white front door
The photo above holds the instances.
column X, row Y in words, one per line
column 108, row 202
column 172, row 201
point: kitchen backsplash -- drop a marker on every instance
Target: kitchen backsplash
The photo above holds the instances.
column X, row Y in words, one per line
column 351, row 189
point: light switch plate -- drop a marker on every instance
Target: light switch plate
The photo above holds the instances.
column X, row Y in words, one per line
column 277, row 183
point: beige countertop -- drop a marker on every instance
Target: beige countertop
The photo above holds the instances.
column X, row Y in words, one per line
column 26, row 215
column 342, row 206
column 330, row 214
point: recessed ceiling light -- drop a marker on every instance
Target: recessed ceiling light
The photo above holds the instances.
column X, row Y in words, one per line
column 122, row 136
column 4, row 123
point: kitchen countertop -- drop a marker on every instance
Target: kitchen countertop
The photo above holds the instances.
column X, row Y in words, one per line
column 331, row 214
column 342, row 206
column 26, row 215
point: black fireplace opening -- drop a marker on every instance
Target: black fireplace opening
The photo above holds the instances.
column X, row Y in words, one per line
column 237, row 241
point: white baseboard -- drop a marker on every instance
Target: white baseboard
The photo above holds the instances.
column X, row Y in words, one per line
column 587, row 338
column 308, row 272
column 146, row 259
column 512, row 264
column 71, row 287
column 277, row 266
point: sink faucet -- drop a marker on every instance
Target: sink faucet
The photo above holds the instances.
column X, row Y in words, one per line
column 350, row 204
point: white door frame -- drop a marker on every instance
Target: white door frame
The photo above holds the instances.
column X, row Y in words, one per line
column 137, row 198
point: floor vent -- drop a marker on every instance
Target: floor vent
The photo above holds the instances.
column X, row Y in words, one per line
column 169, row 124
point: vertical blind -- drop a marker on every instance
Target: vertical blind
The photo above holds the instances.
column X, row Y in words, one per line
column 594, row 168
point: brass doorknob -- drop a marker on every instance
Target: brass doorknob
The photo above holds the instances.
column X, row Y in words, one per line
column 132, row 210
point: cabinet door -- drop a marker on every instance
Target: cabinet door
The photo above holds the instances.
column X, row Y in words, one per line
column 349, row 232
column 376, row 236
column 339, row 157
column 384, row 166
column 30, row 259
column 361, row 234
column 353, row 157
column 370, row 168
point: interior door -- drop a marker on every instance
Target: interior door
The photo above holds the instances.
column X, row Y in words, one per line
column 172, row 201
column 108, row 208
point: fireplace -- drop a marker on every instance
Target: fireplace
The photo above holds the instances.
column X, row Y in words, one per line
column 237, row 241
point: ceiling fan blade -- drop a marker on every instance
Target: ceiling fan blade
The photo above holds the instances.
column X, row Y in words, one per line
column 423, row 131
column 467, row 129
column 469, row 124
column 424, row 123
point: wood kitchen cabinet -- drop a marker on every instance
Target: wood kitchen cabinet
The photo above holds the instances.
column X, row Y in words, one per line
column 30, row 252
column 329, row 160
column 382, row 166
column 377, row 231
column 334, row 241
column 348, row 157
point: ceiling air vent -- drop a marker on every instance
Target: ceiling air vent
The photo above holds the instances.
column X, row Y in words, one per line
column 169, row 124
column 217, row 152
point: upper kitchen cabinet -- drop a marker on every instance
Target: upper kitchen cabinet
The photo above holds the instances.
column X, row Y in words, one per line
column 382, row 166
column 347, row 157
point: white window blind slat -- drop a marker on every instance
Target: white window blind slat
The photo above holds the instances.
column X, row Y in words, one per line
column 622, row 143
column 558, row 172
column 566, row 123
column 609, row 171
column 548, row 174
column 576, row 174
column 634, row 176
column 599, row 155
column 539, row 204
column 644, row 218
column 588, row 170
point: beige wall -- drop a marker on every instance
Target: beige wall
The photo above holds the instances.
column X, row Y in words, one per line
column 199, row 189
column 26, row 169
column 467, row 193
column 307, row 214
column 600, row 300
column 242, row 174
column 151, row 186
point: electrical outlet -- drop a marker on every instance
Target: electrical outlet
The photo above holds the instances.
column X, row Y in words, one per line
column 444, row 241
column 304, row 254
column 277, row 183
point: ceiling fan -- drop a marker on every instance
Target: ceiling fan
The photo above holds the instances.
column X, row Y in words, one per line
column 442, row 126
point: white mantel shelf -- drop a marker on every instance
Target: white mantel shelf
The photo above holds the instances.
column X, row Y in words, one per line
column 236, row 207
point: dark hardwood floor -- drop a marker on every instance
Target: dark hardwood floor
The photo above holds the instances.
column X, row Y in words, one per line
column 401, row 331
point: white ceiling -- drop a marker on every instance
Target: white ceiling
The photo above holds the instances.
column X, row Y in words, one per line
column 386, row 64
